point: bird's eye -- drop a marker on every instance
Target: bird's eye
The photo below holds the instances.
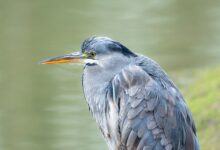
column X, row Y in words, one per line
column 92, row 54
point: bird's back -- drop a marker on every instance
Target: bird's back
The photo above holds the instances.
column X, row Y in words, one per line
column 152, row 114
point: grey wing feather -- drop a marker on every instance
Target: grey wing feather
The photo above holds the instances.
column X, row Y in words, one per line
column 150, row 117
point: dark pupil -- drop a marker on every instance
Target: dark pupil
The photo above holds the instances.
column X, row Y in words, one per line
column 92, row 54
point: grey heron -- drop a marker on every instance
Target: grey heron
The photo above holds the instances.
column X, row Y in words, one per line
column 134, row 102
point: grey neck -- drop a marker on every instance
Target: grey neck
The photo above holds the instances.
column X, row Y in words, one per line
column 96, row 80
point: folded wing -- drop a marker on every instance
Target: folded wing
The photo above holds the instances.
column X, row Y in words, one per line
column 149, row 115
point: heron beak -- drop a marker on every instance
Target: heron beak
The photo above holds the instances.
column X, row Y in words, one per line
column 69, row 58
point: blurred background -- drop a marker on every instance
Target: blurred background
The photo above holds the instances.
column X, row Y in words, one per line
column 42, row 107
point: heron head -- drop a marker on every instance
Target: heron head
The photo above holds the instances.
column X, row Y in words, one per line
column 95, row 51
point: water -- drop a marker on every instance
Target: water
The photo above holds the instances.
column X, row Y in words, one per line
column 42, row 107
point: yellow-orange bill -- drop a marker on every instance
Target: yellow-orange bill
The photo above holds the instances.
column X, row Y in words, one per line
column 62, row 61
column 69, row 58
